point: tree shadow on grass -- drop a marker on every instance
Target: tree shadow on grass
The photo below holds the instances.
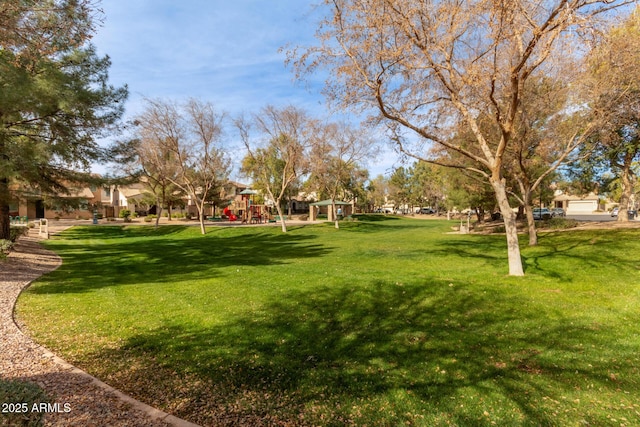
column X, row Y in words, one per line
column 575, row 249
column 136, row 255
column 379, row 355
column 580, row 249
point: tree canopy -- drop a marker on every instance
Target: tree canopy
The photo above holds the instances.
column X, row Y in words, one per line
column 55, row 99
column 424, row 68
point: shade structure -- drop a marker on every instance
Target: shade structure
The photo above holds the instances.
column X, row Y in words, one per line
column 314, row 207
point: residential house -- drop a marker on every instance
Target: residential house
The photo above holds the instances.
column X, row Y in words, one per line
column 578, row 205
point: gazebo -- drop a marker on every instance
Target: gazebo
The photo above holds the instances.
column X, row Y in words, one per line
column 314, row 209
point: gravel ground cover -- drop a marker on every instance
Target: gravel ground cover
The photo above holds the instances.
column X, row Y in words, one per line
column 72, row 397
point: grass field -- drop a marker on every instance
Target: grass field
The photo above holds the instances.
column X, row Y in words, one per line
column 386, row 321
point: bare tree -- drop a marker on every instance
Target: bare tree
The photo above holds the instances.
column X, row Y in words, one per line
column 428, row 66
column 186, row 142
column 338, row 150
column 277, row 158
column 159, row 169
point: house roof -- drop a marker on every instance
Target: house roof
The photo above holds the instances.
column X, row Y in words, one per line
column 84, row 193
column 131, row 192
column 576, row 198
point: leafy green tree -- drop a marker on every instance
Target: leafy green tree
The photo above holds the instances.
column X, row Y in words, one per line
column 55, row 99
column 615, row 78
column 429, row 184
column 377, row 191
column 400, row 187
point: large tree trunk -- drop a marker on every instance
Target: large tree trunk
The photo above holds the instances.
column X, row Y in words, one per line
column 626, row 187
column 158, row 213
column 335, row 214
column 531, row 224
column 5, row 224
column 510, row 226
column 5, row 195
column 201, row 216
column 282, row 221
column 525, row 191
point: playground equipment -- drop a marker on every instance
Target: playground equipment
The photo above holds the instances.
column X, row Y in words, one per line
column 229, row 214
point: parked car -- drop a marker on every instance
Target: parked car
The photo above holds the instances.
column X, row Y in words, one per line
column 541, row 213
column 558, row 212
column 632, row 213
column 427, row 211
column 383, row 210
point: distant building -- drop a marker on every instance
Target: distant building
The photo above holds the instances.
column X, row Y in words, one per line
column 578, row 205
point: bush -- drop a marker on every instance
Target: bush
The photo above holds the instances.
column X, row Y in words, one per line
column 5, row 247
column 16, row 232
column 126, row 215
column 559, row 223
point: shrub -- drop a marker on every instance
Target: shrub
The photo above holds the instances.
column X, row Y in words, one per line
column 126, row 215
column 16, row 232
column 147, row 219
column 5, row 246
column 559, row 223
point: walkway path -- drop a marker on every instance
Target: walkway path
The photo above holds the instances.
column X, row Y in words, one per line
column 90, row 402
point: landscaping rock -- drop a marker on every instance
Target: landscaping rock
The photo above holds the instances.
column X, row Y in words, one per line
column 73, row 398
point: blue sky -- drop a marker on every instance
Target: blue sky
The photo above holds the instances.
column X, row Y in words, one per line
column 222, row 51
column 226, row 52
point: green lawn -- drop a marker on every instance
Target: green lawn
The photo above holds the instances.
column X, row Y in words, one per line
column 386, row 321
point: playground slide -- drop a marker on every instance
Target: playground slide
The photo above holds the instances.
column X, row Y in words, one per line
column 229, row 215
